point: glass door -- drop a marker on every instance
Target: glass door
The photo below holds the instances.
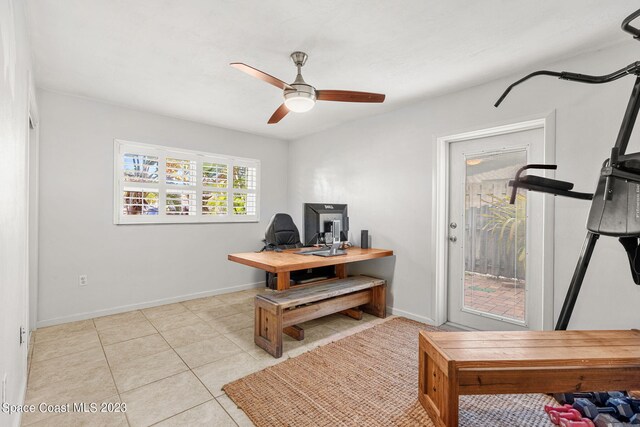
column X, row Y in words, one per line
column 492, row 242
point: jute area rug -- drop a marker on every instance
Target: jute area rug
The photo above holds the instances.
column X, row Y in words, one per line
column 367, row 379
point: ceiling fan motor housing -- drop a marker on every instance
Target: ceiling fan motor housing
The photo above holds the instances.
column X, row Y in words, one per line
column 302, row 96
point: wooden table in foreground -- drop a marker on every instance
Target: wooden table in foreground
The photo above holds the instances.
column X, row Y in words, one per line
column 460, row 363
column 283, row 263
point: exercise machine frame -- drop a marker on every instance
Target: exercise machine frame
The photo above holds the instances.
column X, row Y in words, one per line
column 610, row 213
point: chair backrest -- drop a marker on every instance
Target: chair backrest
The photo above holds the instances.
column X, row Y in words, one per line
column 282, row 233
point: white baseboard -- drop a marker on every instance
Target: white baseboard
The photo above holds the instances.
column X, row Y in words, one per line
column 138, row 306
column 416, row 317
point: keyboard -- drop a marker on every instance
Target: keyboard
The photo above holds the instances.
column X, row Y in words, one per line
column 311, row 251
column 328, row 253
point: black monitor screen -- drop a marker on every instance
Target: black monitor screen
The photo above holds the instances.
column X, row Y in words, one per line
column 320, row 220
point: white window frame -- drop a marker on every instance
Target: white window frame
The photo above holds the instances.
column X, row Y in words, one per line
column 120, row 147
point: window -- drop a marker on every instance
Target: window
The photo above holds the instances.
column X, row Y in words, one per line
column 157, row 184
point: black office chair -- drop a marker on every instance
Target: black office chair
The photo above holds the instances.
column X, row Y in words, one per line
column 282, row 233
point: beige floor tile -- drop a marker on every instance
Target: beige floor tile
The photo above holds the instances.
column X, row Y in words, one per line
column 217, row 374
column 144, row 370
column 118, row 320
column 222, row 311
column 231, row 323
column 202, row 304
column 73, row 367
column 89, row 389
column 133, row 349
column 236, row 298
column 190, row 334
column 268, row 360
column 203, row 352
column 63, row 331
column 80, row 341
column 208, row 414
column 243, row 338
column 163, row 399
column 176, row 321
column 238, row 415
column 256, row 291
column 246, row 308
column 164, row 311
column 88, row 419
column 314, row 322
column 340, row 322
column 127, row 332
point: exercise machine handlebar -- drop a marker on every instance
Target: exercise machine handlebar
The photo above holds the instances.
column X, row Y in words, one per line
column 633, row 68
column 514, row 190
column 586, row 78
column 626, row 24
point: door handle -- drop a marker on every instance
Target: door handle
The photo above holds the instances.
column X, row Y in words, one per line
column 453, row 239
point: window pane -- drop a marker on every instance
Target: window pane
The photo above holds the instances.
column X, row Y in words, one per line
column 214, row 203
column 214, row 175
column 140, row 201
column 244, row 178
column 181, row 202
column 140, row 168
column 244, row 204
column 181, row 172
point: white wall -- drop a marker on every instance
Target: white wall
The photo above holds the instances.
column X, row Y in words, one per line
column 384, row 172
column 133, row 265
column 14, row 106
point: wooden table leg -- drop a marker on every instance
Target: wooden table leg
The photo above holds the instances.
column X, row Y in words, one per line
column 341, row 273
column 295, row 332
column 284, row 277
column 437, row 389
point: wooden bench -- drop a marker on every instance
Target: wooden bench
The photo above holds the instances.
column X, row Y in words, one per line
column 280, row 311
column 460, row 363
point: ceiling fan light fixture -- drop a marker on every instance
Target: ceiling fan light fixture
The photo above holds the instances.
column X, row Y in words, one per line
column 299, row 102
column 299, row 96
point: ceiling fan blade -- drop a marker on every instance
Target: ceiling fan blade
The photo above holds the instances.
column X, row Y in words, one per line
column 349, row 96
column 279, row 114
column 254, row 72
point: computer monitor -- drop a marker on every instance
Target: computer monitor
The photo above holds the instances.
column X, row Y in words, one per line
column 325, row 223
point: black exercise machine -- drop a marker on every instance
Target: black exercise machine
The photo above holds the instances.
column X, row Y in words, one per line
column 615, row 206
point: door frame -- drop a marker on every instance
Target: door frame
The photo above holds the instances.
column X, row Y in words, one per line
column 440, row 209
column 32, row 209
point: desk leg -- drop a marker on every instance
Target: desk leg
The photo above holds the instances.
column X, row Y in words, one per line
column 284, row 277
column 341, row 271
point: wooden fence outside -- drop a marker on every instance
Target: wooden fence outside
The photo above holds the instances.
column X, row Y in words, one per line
column 485, row 252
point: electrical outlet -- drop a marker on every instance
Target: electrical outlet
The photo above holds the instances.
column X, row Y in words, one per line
column 82, row 280
column 4, row 389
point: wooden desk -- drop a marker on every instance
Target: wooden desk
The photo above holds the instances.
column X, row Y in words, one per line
column 283, row 263
column 459, row 363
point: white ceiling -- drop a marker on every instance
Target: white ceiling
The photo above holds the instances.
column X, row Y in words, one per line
column 171, row 56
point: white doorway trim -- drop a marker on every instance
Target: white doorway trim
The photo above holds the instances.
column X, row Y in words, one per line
column 440, row 209
column 33, row 209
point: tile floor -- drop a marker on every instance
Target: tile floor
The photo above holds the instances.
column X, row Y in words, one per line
column 167, row 363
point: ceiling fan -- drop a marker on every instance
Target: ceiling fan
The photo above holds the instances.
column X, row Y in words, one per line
column 300, row 96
